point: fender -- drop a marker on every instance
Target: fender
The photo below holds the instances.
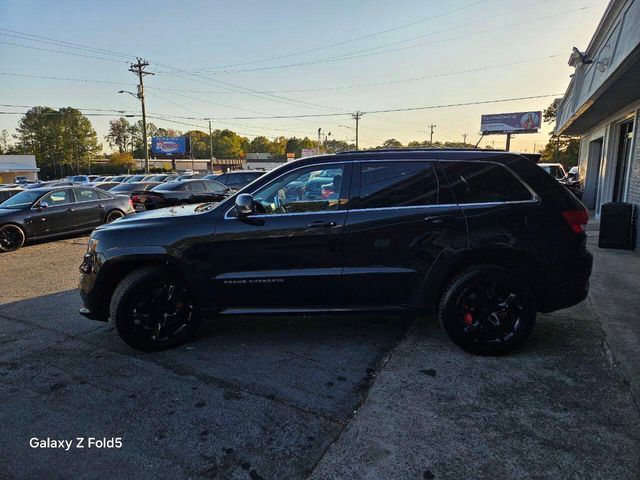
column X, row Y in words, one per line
column 448, row 264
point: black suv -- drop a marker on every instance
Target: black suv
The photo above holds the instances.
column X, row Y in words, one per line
column 487, row 238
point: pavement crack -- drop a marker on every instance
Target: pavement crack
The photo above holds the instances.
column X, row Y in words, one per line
column 385, row 361
column 211, row 380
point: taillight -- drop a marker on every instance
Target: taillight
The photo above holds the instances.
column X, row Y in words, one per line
column 131, row 203
column 576, row 219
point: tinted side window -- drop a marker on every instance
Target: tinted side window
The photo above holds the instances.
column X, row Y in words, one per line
column 60, row 197
column 85, row 195
column 183, row 187
column 482, row 182
column 215, row 187
column 397, row 184
column 198, row 187
column 103, row 195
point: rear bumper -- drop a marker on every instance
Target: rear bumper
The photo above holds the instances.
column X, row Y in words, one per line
column 567, row 286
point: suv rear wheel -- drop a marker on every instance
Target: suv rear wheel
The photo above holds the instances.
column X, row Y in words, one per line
column 487, row 310
column 11, row 238
column 153, row 309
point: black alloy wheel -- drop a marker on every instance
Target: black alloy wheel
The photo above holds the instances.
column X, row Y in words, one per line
column 154, row 310
column 113, row 215
column 487, row 310
column 11, row 238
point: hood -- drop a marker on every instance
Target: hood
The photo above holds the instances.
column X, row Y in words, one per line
column 160, row 216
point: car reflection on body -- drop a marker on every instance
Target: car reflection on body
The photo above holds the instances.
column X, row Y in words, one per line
column 179, row 193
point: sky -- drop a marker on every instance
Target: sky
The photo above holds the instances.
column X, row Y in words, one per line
column 259, row 58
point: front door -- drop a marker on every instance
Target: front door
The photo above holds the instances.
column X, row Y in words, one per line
column 622, row 160
column 52, row 215
column 289, row 252
column 398, row 224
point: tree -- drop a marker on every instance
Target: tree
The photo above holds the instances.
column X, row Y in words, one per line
column 118, row 136
column 4, row 142
column 392, row 143
column 228, row 144
column 260, row 145
column 121, row 161
column 295, row 145
column 57, row 138
column 562, row 149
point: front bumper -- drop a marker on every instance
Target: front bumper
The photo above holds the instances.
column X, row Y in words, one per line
column 88, row 292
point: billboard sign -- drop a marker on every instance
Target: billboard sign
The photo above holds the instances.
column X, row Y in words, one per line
column 519, row 122
column 170, row 146
column 308, row 152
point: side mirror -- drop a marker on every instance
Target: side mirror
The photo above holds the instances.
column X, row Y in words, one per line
column 43, row 205
column 244, row 204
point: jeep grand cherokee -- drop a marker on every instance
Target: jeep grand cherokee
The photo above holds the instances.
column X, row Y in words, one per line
column 486, row 238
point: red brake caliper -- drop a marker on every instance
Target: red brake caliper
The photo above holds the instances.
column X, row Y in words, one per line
column 468, row 318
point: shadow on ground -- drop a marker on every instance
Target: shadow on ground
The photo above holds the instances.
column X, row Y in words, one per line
column 250, row 398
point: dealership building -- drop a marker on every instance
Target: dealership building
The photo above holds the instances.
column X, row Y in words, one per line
column 602, row 106
column 12, row 166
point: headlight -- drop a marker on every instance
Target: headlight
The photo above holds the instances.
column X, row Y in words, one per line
column 93, row 244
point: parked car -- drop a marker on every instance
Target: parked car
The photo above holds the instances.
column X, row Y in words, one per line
column 190, row 176
column 179, row 193
column 9, row 192
column 127, row 188
column 134, row 178
column 79, row 178
column 237, row 179
column 48, row 212
column 485, row 237
column 557, row 171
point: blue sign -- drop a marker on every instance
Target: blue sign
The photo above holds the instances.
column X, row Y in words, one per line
column 170, row 146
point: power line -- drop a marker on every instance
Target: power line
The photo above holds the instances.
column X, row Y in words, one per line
column 334, row 114
column 77, row 46
column 65, row 79
column 356, row 54
column 344, row 42
column 61, row 51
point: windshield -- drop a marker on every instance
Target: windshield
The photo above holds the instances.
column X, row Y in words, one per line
column 21, row 200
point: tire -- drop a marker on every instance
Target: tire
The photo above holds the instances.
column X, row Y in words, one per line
column 113, row 215
column 487, row 310
column 12, row 237
column 153, row 309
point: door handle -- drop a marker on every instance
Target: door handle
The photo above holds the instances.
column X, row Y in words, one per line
column 438, row 218
column 321, row 224
column 71, row 209
column 99, row 206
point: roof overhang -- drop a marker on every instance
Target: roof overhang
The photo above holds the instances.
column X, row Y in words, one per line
column 619, row 90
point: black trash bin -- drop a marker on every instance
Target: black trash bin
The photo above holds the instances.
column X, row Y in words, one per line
column 617, row 226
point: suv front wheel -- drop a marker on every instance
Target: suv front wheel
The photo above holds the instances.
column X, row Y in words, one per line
column 487, row 310
column 153, row 309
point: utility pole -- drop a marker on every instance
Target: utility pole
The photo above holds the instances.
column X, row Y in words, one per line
column 464, row 138
column 139, row 70
column 431, row 127
column 357, row 116
column 508, row 146
column 319, row 135
column 210, row 146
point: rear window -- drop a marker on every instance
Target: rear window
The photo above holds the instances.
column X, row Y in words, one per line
column 397, row 184
column 483, row 182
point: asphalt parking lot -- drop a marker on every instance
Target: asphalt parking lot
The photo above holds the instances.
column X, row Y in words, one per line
column 319, row 397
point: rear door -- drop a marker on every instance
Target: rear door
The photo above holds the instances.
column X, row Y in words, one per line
column 90, row 210
column 400, row 221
